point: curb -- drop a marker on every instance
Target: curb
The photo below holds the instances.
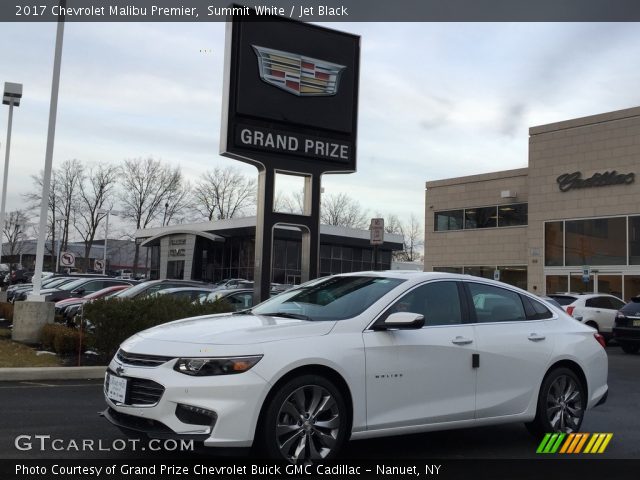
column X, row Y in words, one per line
column 51, row 373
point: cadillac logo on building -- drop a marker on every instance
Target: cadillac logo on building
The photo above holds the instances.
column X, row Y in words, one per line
column 297, row 74
column 570, row 181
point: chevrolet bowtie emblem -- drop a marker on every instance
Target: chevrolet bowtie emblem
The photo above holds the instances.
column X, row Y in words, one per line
column 297, row 74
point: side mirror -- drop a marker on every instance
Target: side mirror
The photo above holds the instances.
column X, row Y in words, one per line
column 401, row 321
column 79, row 291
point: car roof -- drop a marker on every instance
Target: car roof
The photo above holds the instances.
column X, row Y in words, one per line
column 187, row 289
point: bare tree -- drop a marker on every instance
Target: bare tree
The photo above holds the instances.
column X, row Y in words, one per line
column 412, row 236
column 413, row 239
column 177, row 203
column 62, row 207
column 293, row 203
column 146, row 187
column 224, row 193
column 14, row 235
column 340, row 209
column 93, row 199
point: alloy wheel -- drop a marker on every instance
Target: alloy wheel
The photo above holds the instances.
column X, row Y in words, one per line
column 308, row 424
column 564, row 405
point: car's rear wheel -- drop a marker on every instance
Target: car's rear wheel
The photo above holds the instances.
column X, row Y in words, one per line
column 630, row 348
column 305, row 420
column 561, row 403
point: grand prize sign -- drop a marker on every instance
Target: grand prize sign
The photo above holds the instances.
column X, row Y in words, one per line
column 290, row 106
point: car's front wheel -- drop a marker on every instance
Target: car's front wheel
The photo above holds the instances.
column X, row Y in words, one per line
column 561, row 403
column 305, row 420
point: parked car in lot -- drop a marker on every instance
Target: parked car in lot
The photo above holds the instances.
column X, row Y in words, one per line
column 359, row 355
column 189, row 293
column 68, row 308
column 152, row 286
column 239, row 298
column 81, row 287
column 598, row 310
column 626, row 331
column 20, row 291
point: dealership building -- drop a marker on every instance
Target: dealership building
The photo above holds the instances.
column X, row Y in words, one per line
column 568, row 222
column 212, row 251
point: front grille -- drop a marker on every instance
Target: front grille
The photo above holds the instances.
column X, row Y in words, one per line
column 138, row 360
column 144, row 392
column 140, row 391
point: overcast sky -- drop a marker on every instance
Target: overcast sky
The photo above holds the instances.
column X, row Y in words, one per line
column 436, row 99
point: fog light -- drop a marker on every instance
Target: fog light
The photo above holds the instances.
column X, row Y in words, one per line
column 195, row 415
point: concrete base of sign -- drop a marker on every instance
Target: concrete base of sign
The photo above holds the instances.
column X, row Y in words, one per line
column 3, row 296
column 29, row 318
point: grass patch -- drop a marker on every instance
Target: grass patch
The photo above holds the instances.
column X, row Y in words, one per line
column 14, row 354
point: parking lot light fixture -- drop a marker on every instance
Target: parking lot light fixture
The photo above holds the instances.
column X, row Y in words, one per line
column 11, row 96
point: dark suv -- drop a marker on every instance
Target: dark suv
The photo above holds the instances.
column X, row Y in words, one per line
column 626, row 330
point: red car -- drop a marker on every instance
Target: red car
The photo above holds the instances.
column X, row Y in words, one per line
column 68, row 307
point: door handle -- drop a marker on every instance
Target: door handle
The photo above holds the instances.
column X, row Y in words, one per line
column 461, row 341
column 534, row 337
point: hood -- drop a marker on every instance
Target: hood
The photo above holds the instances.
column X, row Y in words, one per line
column 228, row 329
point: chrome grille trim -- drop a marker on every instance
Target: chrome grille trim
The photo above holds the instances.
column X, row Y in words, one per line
column 139, row 360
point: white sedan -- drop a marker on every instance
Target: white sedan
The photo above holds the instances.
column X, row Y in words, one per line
column 356, row 356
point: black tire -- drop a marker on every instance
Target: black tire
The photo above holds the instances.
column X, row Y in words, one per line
column 561, row 403
column 631, row 349
column 305, row 420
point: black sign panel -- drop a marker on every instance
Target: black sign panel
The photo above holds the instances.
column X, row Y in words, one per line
column 291, row 95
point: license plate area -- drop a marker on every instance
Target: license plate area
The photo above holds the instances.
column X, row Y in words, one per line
column 117, row 389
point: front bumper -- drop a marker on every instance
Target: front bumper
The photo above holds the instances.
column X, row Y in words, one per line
column 234, row 400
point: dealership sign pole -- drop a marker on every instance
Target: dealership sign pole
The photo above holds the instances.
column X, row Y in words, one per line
column 290, row 106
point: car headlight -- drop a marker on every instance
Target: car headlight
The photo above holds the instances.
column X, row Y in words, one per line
column 203, row 367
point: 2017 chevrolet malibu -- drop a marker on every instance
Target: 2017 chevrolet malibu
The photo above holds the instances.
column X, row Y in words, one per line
column 356, row 356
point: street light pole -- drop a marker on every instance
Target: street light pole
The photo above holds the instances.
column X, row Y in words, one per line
column 48, row 159
column 12, row 95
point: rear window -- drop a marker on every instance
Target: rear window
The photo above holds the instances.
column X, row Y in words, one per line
column 563, row 300
column 632, row 308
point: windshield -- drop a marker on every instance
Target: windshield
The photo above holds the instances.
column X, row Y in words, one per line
column 73, row 285
column 332, row 298
column 145, row 288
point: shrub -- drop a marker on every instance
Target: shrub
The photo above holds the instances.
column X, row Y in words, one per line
column 62, row 339
column 113, row 320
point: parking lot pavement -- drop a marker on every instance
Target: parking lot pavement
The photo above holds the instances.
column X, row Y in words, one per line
column 68, row 410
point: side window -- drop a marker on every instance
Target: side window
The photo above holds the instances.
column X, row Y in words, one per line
column 495, row 304
column 534, row 309
column 592, row 303
column 438, row 302
column 244, row 300
column 91, row 287
column 616, row 304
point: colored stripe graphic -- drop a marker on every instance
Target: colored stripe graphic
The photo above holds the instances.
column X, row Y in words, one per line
column 574, row 443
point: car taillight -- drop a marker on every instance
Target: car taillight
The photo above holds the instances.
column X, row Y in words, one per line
column 570, row 310
column 600, row 339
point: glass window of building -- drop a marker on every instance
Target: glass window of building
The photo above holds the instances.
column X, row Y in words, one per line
column 553, row 244
column 514, row 275
column 449, row 220
column 448, row 269
column 513, row 215
column 484, row 272
column 631, row 286
column 599, row 241
column 634, row 240
column 481, row 217
column 557, row 283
